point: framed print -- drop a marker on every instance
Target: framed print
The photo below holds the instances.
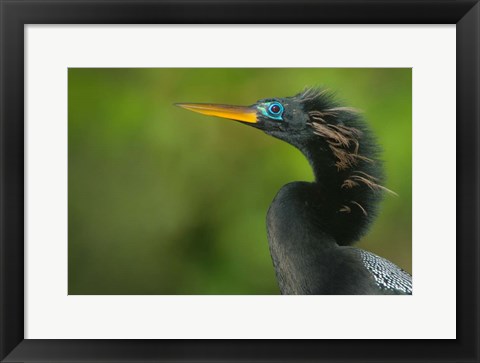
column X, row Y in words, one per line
column 134, row 229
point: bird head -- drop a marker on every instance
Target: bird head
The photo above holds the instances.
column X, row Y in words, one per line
column 311, row 121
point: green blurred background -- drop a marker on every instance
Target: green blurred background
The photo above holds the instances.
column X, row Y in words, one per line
column 166, row 201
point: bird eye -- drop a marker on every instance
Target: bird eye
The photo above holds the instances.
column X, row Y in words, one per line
column 273, row 110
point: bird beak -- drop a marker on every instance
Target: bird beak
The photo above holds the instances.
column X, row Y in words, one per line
column 237, row 113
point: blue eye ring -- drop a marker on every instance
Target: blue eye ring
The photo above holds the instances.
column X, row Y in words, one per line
column 273, row 110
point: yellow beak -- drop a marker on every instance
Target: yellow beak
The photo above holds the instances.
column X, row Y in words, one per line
column 237, row 113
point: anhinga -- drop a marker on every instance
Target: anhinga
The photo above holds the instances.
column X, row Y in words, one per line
column 311, row 226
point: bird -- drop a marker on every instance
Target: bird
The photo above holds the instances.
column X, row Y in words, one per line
column 312, row 226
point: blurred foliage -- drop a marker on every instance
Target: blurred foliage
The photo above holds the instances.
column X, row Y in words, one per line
column 166, row 201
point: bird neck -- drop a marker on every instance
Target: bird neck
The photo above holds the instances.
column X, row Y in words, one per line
column 324, row 170
column 296, row 219
column 349, row 196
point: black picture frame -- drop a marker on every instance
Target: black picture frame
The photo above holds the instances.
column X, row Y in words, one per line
column 16, row 13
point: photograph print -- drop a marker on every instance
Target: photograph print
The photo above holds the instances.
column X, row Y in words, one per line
column 240, row 181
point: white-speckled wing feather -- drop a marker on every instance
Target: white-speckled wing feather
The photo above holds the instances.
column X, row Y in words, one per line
column 387, row 275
